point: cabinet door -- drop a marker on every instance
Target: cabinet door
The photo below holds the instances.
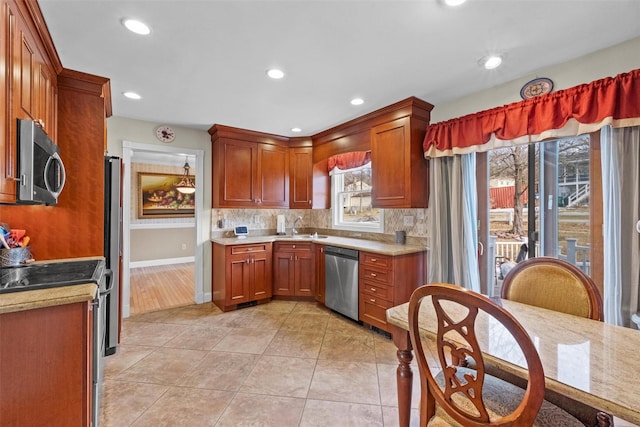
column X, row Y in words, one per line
column 238, row 279
column 301, row 178
column 46, row 98
column 261, row 276
column 46, row 372
column 319, row 264
column 237, row 166
column 273, row 175
column 283, row 273
column 304, row 274
column 391, row 164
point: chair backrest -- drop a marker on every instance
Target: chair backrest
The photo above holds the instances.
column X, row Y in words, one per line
column 461, row 393
column 553, row 284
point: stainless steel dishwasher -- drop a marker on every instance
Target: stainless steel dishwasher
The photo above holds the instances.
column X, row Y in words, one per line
column 341, row 280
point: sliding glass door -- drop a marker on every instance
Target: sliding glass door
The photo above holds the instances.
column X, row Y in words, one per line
column 534, row 200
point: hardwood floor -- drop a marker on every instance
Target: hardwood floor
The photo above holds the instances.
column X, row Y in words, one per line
column 161, row 287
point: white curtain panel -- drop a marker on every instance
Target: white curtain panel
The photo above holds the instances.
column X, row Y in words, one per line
column 620, row 150
column 453, row 222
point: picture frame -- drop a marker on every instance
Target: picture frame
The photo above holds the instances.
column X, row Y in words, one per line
column 158, row 197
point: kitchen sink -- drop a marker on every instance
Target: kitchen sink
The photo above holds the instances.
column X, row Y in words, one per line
column 309, row 236
column 50, row 275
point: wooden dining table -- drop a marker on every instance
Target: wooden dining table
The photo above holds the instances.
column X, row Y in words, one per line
column 585, row 360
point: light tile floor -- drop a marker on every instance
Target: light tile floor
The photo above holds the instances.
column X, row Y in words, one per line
column 279, row 364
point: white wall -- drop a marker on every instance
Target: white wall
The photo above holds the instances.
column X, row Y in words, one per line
column 604, row 63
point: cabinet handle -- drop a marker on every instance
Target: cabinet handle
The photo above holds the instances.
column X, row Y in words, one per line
column 309, row 201
column 291, row 258
column 373, row 289
column 253, row 261
column 247, row 261
column 374, row 259
column 374, row 275
column 372, row 300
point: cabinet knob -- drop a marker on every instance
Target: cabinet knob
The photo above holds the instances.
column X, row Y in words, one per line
column 373, row 289
column 293, row 246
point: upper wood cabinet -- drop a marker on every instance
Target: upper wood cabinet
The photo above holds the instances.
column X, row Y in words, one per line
column 301, row 178
column 28, row 83
column 399, row 171
column 248, row 171
column 394, row 134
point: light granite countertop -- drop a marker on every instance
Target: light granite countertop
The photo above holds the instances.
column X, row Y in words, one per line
column 392, row 249
column 29, row 300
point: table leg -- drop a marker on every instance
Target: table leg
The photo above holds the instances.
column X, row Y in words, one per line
column 404, row 375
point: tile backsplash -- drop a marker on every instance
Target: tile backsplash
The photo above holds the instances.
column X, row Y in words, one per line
column 263, row 222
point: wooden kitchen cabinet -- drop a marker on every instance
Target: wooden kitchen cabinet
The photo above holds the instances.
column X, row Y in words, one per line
column 46, row 366
column 248, row 170
column 399, row 171
column 241, row 274
column 385, row 281
column 293, row 273
column 320, row 273
column 30, row 88
column 301, row 178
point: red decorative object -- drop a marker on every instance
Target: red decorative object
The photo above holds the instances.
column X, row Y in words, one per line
column 585, row 108
column 349, row 160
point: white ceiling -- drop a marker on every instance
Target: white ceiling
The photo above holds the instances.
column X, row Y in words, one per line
column 205, row 61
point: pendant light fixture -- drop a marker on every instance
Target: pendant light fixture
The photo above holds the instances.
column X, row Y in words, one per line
column 186, row 185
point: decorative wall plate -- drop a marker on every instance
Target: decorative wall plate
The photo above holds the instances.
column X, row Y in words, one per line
column 536, row 87
column 165, row 134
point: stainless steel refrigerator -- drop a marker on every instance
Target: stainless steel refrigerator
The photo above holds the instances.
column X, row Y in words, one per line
column 112, row 248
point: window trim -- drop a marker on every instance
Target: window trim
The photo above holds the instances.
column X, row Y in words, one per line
column 335, row 211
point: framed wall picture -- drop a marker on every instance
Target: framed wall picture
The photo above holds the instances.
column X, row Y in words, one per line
column 158, row 197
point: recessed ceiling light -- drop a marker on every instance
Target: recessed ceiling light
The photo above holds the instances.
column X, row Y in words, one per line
column 136, row 26
column 492, row 62
column 454, row 2
column 296, row 130
column 274, row 73
column 357, row 101
column 131, row 95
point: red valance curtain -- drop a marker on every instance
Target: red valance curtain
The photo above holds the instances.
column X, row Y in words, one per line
column 353, row 159
column 581, row 109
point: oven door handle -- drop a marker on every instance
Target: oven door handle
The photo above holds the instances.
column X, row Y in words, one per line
column 108, row 276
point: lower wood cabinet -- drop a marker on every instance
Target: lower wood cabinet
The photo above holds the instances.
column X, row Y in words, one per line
column 46, row 366
column 241, row 274
column 385, row 281
column 293, row 273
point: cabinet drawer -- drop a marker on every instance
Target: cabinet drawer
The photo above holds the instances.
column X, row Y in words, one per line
column 245, row 249
column 383, row 261
column 376, row 290
column 375, row 274
column 374, row 310
column 293, row 246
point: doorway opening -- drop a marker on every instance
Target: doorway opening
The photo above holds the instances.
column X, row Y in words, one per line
column 189, row 230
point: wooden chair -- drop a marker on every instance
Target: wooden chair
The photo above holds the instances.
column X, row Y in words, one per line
column 554, row 284
column 470, row 397
column 560, row 286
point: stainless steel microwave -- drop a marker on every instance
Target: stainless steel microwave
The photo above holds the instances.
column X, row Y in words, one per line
column 41, row 174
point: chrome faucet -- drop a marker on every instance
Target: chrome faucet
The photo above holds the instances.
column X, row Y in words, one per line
column 293, row 229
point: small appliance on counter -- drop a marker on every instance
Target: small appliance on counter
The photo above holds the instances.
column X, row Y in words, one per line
column 280, row 226
column 241, row 231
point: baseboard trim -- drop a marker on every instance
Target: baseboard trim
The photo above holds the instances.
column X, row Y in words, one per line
column 165, row 261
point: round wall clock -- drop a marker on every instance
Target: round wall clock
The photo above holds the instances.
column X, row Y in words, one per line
column 165, row 134
column 536, row 87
